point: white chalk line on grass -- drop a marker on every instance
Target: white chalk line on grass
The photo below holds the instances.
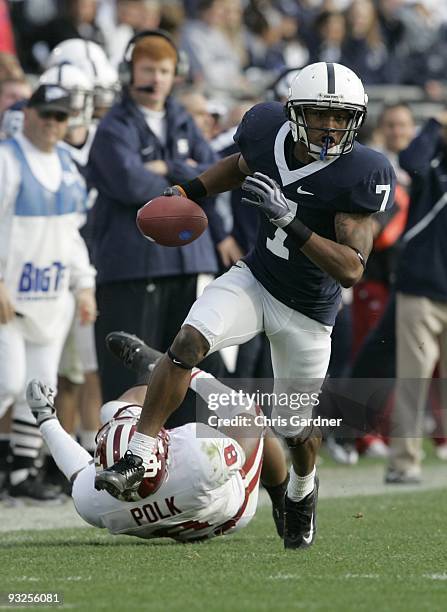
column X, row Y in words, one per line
column 435, row 576
column 54, row 579
column 335, row 482
column 349, row 576
column 56, row 606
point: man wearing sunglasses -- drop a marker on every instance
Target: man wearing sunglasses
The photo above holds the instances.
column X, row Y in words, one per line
column 43, row 263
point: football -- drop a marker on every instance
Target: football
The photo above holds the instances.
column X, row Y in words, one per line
column 171, row 220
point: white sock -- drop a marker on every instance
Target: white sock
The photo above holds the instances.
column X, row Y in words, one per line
column 142, row 446
column 69, row 456
column 300, row 486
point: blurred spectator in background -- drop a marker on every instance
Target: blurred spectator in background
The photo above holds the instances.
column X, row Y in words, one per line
column 391, row 23
column 10, row 67
column 143, row 145
column 12, row 91
column 213, row 61
column 7, row 43
column 331, row 32
column 279, row 45
column 43, row 259
column 198, row 107
column 131, row 16
column 436, row 83
column 421, row 28
column 429, row 69
column 423, row 47
column 235, row 30
column 172, row 17
column 395, row 130
column 365, row 49
column 421, row 300
column 77, row 19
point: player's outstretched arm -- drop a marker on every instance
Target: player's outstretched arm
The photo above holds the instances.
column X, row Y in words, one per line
column 345, row 259
column 226, row 174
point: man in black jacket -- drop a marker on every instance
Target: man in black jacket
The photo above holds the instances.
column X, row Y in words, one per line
column 144, row 144
column 421, row 300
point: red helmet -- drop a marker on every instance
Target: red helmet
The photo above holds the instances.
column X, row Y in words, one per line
column 112, row 441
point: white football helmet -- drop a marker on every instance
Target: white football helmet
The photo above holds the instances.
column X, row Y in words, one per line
column 81, row 91
column 107, row 86
column 326, row 85
column 92, row 60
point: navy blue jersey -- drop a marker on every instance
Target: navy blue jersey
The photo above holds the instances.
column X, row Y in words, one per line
column 359, row 182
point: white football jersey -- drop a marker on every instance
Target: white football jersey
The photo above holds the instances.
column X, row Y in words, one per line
column 210, row 489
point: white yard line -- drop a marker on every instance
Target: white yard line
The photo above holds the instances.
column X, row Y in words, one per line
column 339, row 481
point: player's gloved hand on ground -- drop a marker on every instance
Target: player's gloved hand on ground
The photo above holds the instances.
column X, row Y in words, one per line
column 39, row 395
column 175, row 190
column 266, row 194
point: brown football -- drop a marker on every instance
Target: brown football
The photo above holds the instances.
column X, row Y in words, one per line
column 171, row 220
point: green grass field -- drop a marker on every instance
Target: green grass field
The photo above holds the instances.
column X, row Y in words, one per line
column 373, row 553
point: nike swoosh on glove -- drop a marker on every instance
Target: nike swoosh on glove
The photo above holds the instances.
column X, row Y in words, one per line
column 265, row 193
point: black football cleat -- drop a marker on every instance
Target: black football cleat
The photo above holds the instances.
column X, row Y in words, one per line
column 35, row 489
column 133, row 353
column 122, row 477
column 300, row 520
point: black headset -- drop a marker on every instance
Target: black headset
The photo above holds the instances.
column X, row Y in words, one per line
column 125, row 69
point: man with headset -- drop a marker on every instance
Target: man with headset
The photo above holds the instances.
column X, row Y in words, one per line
column 143, row 145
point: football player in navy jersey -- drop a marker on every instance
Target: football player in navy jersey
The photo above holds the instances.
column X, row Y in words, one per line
column 317, row 188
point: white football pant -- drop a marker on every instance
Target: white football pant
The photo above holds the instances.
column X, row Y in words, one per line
column 235, row 307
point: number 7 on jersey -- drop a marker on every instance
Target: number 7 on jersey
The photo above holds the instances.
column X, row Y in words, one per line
column 386, row 190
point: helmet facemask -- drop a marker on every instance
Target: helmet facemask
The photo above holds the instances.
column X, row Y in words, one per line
column 81, row 105
column 296, row 113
